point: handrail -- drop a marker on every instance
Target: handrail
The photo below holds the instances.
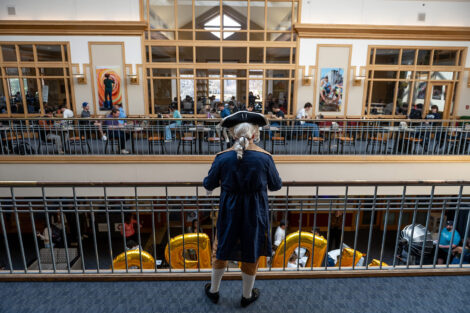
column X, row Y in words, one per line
column 4, row 184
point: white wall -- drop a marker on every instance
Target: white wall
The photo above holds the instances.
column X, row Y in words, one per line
column 307, row 57
column 386, row 12
column 72, row 10
column 80, row 55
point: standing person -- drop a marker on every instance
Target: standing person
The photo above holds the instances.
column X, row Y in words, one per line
column 108, row 90
column 245, row 173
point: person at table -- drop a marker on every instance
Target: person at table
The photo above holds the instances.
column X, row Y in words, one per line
column 276, row 115
column 445, row 241
column 87, row 114
column 122, row 113
column 432, row 116
column 232, row 107
column 250, row 107
column 114, row 130
column 66, row 113
column 462, row 251
column 223, row 113
column 48, row 132
column 174, row 113
column 304, row 114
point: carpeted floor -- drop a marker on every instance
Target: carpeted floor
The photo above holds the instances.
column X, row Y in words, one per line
column 392, row 294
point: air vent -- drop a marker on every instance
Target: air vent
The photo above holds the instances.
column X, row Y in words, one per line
column 11, row 11
column 421, row 17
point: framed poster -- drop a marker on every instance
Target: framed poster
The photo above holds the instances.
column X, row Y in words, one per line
column 109, row 86
column 331, row 89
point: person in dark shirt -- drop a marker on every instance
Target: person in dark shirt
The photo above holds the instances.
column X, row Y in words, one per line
column 232, row 107
column 115, row 131
column 108, row 90
column 277, row 115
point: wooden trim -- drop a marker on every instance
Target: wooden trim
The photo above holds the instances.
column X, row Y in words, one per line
column 234, row 275
column 355, row 31
column 122, row 28
column 207, row 159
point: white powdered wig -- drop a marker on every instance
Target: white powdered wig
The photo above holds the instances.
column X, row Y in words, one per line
column 242, row 133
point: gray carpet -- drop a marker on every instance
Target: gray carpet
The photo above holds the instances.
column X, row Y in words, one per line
column 391, row 294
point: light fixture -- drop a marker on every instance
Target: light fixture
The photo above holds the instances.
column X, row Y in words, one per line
column 359, row 74
column 133, row 74
column 80, row 75
column 307, row 78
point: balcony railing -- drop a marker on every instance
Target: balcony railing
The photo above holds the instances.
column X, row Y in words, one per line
column 144, row 136
column 78, row 228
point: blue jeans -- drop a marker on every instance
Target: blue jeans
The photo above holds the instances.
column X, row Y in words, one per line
column 274, row 124
column 314, row 127
column 168, row 131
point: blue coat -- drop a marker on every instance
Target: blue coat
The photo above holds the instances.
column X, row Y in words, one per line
column 243, row 230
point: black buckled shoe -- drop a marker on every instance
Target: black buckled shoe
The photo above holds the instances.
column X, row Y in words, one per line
column 214, row 297
column 254, row 296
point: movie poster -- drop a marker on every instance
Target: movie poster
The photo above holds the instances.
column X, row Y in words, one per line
column 109, row 86
column 331, row 89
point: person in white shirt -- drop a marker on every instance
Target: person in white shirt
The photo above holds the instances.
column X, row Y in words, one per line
column 305, row 113
column 280, row 234
column 66, row 113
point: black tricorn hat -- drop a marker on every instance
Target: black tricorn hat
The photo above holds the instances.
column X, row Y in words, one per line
column 244, row 117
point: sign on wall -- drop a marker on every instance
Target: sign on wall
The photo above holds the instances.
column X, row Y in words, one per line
column 331, row 89
column 109, row 86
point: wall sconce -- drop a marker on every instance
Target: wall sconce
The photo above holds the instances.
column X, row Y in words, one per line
column 307, row 80
column 80, row 75
column 359, row 74
column 132, row 74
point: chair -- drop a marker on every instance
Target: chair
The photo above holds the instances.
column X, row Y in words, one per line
column 214, row 142
column 79, row 138
column 158, row 139
column 318, row 140
column 278, row 139
column 379, row 140
column 114, row 142
column 18, row 142
column 187, row 138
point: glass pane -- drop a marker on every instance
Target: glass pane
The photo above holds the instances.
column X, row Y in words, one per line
column 214, row 89
column 158, row 35
column 16, row 99
column 185, row 14
column 208, row 72
column 207, row 35
column 8, row 53
column 382, row 98
column 49, row 53
column 235, row 36
column 235, row 13
column 207, row 54
column 279, row 16
column 277, row 73
column 256, row 15
column 164, row 72
column 234, row 73
column 424, row 57
column 51, row 71
column 403, row 98
column 32, row 95
column 255, row 73
column 163, row 54
column 444, row 57
column 439, row 95
column 186, row 54
column 28, row 71
column 185, row 35
column 230, row 90
column 277, row 55
column 408, row 57
column 422, row 75
column 255, row 96
column 276, row 93
column 205, row 12
column 11, row 71
column 442, row 75
column 256, row 55
column 331, row 90
column 371, row 57
column 406, row 74
column 186, row 72
column 164, row 93
column 26, row 53
column 385, row 74
column 387, row 56
column 3, row 99
column 202, row 89
column 279, row 37
column 53, row 93
column 296, row 12
column 234, row 55
column 419, row 95
column 187, row 96
column 256, row 36
column 162, row 14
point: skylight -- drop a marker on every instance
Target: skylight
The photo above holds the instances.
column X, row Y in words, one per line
column 228, row 22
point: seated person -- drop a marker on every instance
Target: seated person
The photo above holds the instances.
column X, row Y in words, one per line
column 87, row 124
column 277, row 115
column 232, row 107
column 223, row 112
column 250, row 107
column 444, row 242
column 47, row 130
column 462, row 252
column 66, row 113
column 279, row 235
column 174, row 113
column 122, row 113
column 114, row 130
column 305, row 113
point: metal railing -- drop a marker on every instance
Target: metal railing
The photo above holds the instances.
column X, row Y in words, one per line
column 155, row 136
column 70, row 228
